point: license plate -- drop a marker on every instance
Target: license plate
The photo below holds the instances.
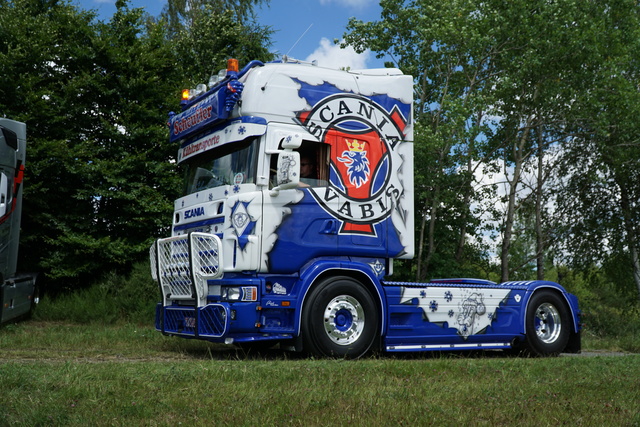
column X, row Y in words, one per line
column 189, row 322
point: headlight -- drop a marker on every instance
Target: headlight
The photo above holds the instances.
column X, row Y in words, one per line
column 231, row 294
column 237, row 293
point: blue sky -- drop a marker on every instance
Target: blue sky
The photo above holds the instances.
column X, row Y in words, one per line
column 315, row 22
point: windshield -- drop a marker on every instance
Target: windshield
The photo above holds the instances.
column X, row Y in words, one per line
column 228, row 165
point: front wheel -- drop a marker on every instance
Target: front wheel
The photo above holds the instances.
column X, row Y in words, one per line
column 340, row 319
column 548, row 324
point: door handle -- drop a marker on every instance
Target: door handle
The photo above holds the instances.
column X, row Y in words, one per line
column 330, row 226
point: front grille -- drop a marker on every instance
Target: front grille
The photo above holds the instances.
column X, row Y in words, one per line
column 208, row 321
column 180, row 321
column 213, row 320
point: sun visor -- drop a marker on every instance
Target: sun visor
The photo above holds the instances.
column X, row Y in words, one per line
column 237, row 130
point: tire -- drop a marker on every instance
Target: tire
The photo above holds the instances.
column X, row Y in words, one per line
column 340, row 319
column 548, row 324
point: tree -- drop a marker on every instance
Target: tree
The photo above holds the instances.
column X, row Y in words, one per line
column 601, row 193
column 515, row 86
column 205, row 33
column 94, row 96
column 101, row 174
column 448, row 50
column 544, row 68
column 184, row 14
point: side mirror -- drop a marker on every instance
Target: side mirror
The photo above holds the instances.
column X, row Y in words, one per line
column 288, row 174
column 292, row 142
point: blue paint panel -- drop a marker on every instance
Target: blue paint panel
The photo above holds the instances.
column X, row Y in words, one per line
column 203, row 114
column 308, row 233
column 389, row 103
column 303, row 236
column 353, row 126
column 380, row 175
column 336, row 179
column 219, row 127
column 314, row 94
column 408, row 323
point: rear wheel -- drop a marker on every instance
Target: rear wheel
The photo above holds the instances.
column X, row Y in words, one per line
column 340, row 319
column 548, row 324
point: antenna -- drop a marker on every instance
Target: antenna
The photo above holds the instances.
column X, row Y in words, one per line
column 285, row 56
column 299, row 38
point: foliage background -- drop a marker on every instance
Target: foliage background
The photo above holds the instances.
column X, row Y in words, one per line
column 527, row 155
column 101, row 176
column 526, row 136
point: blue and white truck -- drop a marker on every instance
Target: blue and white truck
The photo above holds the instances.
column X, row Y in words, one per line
column 297, row 199
column 18, row 292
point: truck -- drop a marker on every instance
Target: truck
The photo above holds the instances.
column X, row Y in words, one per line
column 18, row 292
column 297, row 198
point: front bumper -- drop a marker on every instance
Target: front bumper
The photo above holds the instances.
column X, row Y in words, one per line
column 210, row 321
column 221, row 322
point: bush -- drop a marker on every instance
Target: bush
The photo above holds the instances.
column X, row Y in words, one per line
column 136, row 295
column 611, row 312
column 116, row 298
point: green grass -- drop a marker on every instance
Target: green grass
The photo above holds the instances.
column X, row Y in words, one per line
column 91, row 357
column 126, row 374
column 612, row 320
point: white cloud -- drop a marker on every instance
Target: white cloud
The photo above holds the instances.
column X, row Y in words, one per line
column 330, row 55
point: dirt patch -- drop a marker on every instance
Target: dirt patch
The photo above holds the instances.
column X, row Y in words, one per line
column 597, row 353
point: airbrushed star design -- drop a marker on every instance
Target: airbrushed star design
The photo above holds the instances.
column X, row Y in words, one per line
column 470, row 311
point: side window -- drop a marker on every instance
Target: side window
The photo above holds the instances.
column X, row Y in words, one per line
column 314, row 165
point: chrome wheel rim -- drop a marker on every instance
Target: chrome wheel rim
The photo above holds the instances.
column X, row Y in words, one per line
column 548, row 323
column 344, row 320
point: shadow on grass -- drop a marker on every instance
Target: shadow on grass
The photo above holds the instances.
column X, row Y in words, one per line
column 202, row 350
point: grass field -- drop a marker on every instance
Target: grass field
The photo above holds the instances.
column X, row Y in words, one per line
column 70, row 374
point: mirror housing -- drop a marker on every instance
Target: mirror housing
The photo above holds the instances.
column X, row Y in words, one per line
column 292, row 142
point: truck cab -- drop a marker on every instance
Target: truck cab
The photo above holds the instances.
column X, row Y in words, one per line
column 298, row 196
column 18, row 292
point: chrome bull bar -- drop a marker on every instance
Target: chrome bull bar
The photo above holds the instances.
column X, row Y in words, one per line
column 182, row 265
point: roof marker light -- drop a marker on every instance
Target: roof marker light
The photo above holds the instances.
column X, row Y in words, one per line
column 185, row 94
column 232, row 65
